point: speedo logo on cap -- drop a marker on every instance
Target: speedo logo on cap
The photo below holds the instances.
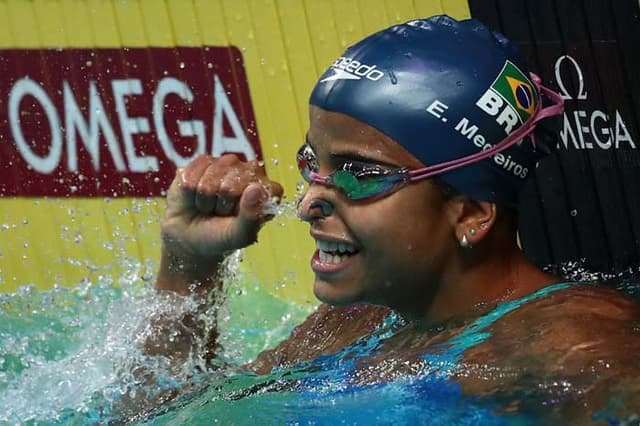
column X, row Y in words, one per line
column 510, row 99
column 345, row 68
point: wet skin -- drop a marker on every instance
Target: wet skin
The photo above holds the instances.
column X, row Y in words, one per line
column 406, row 256
column 402, row 240
column 559, row 358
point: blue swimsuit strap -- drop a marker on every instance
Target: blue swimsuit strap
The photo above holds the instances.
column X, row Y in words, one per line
column 446, row 360
column 442, row 358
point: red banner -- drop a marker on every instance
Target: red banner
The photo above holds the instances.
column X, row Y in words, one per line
column 117, row 122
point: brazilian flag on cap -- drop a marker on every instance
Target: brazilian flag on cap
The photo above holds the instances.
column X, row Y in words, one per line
column 516, row 89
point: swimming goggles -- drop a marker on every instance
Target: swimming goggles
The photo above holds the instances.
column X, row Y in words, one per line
column 360, row 181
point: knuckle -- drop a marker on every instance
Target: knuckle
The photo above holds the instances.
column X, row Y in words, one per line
column 202, row 158
column 233, row 182
column 277, row 189
column 258, row 168
column 228, row 159
column 191, row 175
column 200, row 163
column 209, row 181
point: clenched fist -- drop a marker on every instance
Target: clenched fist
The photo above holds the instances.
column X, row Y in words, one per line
column 214, row 205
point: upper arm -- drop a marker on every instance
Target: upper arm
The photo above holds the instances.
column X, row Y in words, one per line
column 582, row 353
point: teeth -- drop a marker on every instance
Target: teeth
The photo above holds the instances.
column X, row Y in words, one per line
column 331, row 246
column 333, row 252
column 329, row 258
column 326, row 245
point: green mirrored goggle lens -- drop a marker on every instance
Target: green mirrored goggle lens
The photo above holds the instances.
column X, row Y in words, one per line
column 358, row 189
column 353, row 184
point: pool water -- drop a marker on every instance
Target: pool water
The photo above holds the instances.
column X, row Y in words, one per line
column 63, row 352
column 68, row 355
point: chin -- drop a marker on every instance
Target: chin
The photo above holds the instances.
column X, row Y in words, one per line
column 336, row 295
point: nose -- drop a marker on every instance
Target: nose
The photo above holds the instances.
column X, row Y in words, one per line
column 315, row 204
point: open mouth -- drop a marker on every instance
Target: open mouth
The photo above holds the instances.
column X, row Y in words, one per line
column 333, row 252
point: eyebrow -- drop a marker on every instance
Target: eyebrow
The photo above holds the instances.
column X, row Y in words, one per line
column 349, row 155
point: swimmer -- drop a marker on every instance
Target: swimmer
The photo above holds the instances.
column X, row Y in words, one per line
column 420, row 139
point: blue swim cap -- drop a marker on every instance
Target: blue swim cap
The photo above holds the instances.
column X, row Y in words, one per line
column 444, row 90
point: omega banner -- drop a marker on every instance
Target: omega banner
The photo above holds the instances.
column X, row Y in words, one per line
column 583, row 204
column 585, row 51
column 117, row 122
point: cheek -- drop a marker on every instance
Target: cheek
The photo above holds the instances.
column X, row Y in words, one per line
column 407, row 227
column 415, row 245
column 404, row 258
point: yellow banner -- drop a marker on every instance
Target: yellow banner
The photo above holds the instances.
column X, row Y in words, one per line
column 285, row 45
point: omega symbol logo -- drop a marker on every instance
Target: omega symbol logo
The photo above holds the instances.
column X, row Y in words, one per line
column 582, row 94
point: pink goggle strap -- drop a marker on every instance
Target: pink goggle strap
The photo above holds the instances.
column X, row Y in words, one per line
column 526, row 129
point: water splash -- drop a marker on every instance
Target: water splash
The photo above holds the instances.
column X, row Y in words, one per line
column 626, row 280
column 72, row 355
column 75, row 355
column 285, row 210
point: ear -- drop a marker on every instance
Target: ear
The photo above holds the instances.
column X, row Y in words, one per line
column 473, row 219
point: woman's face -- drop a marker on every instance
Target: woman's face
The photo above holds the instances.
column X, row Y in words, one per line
column 389, row 251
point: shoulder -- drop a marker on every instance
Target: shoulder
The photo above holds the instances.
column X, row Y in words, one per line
column 585, row 338
column 574, row 327
column 578, row 304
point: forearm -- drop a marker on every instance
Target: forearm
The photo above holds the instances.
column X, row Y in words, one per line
column 188, row 277
column 190, row 330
